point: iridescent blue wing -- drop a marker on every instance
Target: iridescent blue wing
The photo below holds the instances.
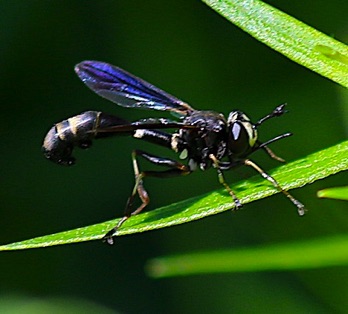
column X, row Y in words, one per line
column 126, row 89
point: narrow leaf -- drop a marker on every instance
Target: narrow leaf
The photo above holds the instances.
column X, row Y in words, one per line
column 285, row 34
column 339, row 193
column 325, row 252
column 293, row 175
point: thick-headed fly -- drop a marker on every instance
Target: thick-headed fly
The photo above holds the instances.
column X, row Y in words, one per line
column 203, row 139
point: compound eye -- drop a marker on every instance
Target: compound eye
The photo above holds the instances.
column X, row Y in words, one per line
column 236, row 131
column 243, row 134
column 239, row 140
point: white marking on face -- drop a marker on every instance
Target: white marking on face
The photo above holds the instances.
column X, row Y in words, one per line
column 252, row 133
column 232, row 117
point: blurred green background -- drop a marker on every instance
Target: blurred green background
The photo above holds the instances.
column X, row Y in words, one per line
column 190, row 51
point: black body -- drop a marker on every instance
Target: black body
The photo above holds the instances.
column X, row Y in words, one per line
column 203, row 138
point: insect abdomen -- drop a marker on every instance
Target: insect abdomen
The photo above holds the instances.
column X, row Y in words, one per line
column 78, row 131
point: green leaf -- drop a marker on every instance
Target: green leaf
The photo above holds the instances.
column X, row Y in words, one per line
column 293, row 175
column 292, row 38
column 324, row 252
column 339, row 193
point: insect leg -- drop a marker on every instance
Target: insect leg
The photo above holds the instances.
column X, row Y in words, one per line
column 265, row 147
column 176, row 169
column 272, row 154
column 300, row 207
column 216, row 165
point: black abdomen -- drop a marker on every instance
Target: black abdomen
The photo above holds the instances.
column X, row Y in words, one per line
column 77, row 131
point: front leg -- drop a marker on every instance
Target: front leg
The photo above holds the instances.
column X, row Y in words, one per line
column 219, row 166
column 300, row 207
column 176, row 169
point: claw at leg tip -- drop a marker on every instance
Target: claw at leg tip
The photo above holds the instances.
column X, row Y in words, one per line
column 301, row 210
column 109, row 237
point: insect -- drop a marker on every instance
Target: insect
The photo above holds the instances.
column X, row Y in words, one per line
column 203, row 139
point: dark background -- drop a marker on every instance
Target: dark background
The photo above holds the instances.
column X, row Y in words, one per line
column 190, row 51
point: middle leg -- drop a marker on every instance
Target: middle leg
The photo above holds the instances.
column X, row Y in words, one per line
column 216, row 165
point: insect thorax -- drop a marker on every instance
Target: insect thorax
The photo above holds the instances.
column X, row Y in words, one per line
column 196, row 144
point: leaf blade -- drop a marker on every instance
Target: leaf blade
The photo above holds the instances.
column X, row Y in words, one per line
column 289, row 36
column 293, row 175
column 311, row 254
column 339, row 193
